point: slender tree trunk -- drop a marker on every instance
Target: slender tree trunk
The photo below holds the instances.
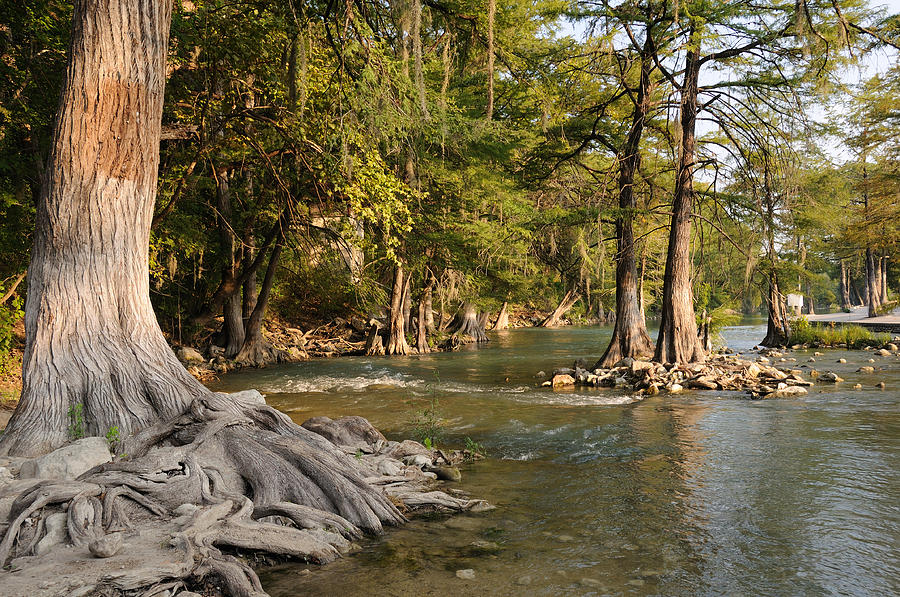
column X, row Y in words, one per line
column 873, row 283
column 678, row 341
column 428, row 301
column 845, row 286
column 568, row 301
column 233, row 323
column 502, row 322
column 249, row 290
column 421, row 329
column 397, row 335
column 492, row 12
column 810, row 302
column 629, row 337
column 883, row 281
column 856, row 293
column 256, row 351
column 92, row 339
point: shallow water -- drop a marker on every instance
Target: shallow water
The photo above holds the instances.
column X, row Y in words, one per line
column 700, row 493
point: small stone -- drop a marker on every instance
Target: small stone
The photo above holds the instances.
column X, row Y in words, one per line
column 892, row 347
column 831, row 377
column 871, row 360
column 819, row 354
column 540, row 374
column 675, row 388
column 789, row 391
column 565, row 538
column 466, row 574
column 763, row 360
column 635, row 583
column 106, row 546
column 881, row 385
column 866, row 370
column 810, row 360
column 813, row 373
column 882, row 353
column 857, row 386
column 523, row 581
column 842, row 360
column 419, row 460
column 590, row 582
column 446, row 473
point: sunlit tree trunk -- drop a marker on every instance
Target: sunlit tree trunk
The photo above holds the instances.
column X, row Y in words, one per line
column 873, row 283
column 678, row 341
column 502, row 322
column 92, row 339
column 397, row 331
column 629, row 337
column 845, row 286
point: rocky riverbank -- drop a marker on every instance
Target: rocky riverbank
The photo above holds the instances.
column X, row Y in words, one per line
column 65, row 532
column 771, row 373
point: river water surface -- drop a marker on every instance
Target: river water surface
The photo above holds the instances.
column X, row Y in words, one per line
column 691, row 494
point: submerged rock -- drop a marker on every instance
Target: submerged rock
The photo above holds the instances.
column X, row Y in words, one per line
column 831, row 377
column 466, row 574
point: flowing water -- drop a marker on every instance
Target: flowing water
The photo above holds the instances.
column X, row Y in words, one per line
column 598, row 493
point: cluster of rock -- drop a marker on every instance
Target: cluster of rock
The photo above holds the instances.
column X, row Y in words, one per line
column 724, row 372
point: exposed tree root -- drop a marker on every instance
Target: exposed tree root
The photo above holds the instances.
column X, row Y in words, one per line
column 465, row 327
column 228, row 477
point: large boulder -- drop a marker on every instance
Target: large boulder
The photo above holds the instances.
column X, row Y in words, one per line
column 355, row 432
column 68, row 462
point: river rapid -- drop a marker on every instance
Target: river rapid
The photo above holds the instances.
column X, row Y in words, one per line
column 701, row 493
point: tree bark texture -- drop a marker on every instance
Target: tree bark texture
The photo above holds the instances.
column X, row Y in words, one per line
column 678, row 341
column 630, row 337
column 92, row 339
column 845, row 286
column 873, row 283
column 464, row 327
column 397, row 330
column 778, row 330
column 568, row 301
column 502, row 322
column 256, row 351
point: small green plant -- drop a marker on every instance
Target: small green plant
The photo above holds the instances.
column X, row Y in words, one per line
column 473, row 448
column 112, row 437
column 359, row 454
column 853, row 336
column 428, row 425
column 76, row 421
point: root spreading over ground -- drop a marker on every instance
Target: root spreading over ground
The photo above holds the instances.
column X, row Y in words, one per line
column 194, row 502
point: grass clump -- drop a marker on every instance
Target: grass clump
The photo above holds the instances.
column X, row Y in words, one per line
column 850, row 335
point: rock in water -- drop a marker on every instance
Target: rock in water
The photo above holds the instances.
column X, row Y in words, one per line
column 467, row 574
column 562, row 380
column 446, row 473
column 106, row 546
column 831, row 377
column 68, row 462
column 790, row 391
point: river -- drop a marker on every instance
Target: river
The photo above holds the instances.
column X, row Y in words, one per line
column 691, row 494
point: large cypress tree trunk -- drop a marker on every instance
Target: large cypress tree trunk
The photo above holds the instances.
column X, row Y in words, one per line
column 92, row 339
column 678, row 341
column 777, row 327
column 630, row 338
column 256, row 351
column 397, row 330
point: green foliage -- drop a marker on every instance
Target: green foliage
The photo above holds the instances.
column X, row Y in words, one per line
column 76, row 421
column 113, row 437
column 10, row 314
column 428, row 423
column 850, row 335
column 473, row 448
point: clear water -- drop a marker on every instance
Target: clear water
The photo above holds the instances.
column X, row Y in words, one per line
column 695, row 494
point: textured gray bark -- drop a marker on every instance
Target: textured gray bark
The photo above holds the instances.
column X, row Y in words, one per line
column 397, row 330
column 464, row 327
column 92, row 339
column 873, row 283
column 677, row 341
column 502, row 322
column 568, row 301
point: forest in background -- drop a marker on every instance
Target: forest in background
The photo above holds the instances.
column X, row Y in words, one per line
column 323, row 160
